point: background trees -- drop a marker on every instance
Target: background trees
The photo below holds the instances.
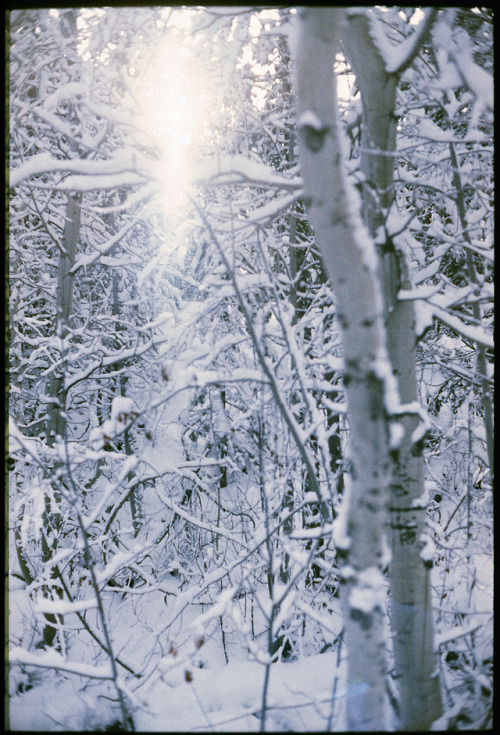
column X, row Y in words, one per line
column 180, row 442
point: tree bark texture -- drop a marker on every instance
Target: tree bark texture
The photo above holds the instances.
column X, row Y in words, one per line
column 350, row 260
column 410, row 593
column 56, row 420
column 67, row 255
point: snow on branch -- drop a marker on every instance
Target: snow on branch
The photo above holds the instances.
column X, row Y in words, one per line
column 473, row 332
column 54, row 660
column 451, row 635
column 100, row 182
column 57, row 124
column 430, row 131
column 207, row 526
column 195, row 378
column 455, row 46
column 65, row 92
column 64, row 607
column 438, row 307
column 323, row 620
column 128, row 169
column 119, row 561
column 103, row 249
column 122, row 169
column 262, row 215
column 398, row 58
column 479, row 81
column 241, row 170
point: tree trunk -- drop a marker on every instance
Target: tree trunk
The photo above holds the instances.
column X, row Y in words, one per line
column 56, row 420
column 350, row 260
column 481, row 357
column 410, row 594
column 120, row 388
column 67, row 253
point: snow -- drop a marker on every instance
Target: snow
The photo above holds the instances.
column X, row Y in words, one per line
column 431, row 304
column 310, row 533
column 89, row 182
column 311, row 120
column 267, row 212
column 396, row 434
column 54, row 660
column 424, row 317
column 119, row 560
column 193, row 608
column 105, row 248
column 65, row 92
column 383, row 370
column 369, row 591
column 239, row 169
column 121, row 168
column 122, row 408
column 64, row 607
column 429, row 547
column 396, row 55
column 452, row 635
column 230, row 699
column 428, row 129
column 195, row 521
column 62, row 707
column 340, row 535
column 225, row 698
column 479, row 81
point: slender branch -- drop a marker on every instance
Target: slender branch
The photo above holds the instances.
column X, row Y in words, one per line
column 54, row 660
column 476, row 310
column 414, row 43
column 290, row 422
column 128, row 722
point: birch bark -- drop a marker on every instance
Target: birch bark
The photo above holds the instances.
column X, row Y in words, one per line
column 350, row 261
column 410, row 591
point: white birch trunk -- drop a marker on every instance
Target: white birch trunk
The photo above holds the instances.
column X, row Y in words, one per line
column 411, row 613
column 349, row 257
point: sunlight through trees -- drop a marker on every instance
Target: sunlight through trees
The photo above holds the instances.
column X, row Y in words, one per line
column 250, row 366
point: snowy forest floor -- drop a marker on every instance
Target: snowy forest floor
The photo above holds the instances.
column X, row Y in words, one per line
column 186, row 688
column 221, row 699
column 194, row 691
column 251, row 369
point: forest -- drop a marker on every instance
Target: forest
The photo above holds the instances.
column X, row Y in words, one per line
column 249, row 450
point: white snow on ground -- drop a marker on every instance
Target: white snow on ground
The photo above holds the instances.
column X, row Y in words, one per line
column 227, row 699
column 220, row 698
column 62, row 705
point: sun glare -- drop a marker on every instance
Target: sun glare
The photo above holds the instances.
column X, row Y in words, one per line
column 171, row 100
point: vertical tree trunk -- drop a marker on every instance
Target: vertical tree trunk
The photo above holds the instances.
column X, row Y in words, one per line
column 64, row 300
column 411, row 613
column 120, row 387
column 56, row 419
column 481, row 357
column 349, row 258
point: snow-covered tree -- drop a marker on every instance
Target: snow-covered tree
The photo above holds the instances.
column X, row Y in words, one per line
column 251, row 364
